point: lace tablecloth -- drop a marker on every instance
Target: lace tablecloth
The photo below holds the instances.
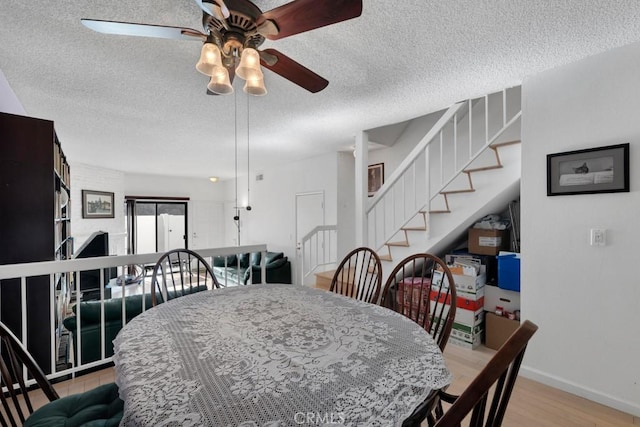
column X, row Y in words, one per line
column 273, row 355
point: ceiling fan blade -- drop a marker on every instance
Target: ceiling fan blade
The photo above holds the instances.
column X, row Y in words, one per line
column 304, row 15
column 215, row 8
column 292, row 71
column 143, row 30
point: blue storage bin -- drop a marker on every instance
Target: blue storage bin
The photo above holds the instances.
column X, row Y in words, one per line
column 509, row 271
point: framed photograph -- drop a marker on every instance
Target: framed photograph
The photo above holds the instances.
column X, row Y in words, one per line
column 376, row 178
column 594, row 170
column 97, row 204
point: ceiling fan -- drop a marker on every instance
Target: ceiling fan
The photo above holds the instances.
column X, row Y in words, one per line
column 233, row 31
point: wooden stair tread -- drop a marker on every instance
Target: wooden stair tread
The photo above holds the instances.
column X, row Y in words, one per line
column 504, row 144
column 423, row 228
column 485, row 168
column 466, row 190
column 329, row 274
column 385, row 258
column 440, row 211
column 403, row 244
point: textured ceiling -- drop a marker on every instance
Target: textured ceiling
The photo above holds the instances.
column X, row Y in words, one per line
column 138, row 104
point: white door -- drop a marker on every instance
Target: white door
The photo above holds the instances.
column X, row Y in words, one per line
column 207, row 225
column 309, row 214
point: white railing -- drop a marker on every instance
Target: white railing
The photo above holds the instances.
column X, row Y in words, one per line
column 318, row 248
column 59, row 297
column 461, row 135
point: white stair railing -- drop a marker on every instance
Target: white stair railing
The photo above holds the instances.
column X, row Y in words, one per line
column 461, row 135
column 318, row 248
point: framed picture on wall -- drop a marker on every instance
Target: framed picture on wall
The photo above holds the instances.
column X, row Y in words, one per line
column 594, row 170
column 97, row 204
column 375, row 178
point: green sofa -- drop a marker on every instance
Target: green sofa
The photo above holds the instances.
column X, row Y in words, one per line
column 238, row 269
column 90, row 323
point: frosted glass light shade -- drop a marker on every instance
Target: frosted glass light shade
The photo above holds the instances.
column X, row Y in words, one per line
column 255, row 87
column 220, row 82
column 249, row 67
column 210, row 60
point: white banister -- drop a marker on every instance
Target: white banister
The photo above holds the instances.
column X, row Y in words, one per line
column 24, row 271
column 394, row 206
column 317, row 249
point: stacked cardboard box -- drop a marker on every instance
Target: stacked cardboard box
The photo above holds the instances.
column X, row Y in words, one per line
column 469, row 277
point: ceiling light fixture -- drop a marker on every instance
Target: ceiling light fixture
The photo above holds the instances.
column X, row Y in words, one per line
column 211, row 64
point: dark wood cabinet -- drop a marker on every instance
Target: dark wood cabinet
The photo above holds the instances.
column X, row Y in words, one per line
column 34, row 223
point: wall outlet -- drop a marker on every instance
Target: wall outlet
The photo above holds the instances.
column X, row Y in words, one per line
column 598, row 237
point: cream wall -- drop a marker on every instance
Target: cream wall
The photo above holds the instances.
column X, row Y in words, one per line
column 584, row 298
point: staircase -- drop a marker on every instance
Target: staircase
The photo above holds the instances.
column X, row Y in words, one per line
column 465, row 167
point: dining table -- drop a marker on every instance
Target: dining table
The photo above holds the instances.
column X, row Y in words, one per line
column 272, row 355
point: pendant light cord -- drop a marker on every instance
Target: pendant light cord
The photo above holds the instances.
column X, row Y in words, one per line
column 237, row 216
column 248, row 158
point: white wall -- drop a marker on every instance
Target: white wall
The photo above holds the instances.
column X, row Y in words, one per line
column 584, row 298
column 86, row 177
column 202, row 194
column 272, row 218
column 9, row 102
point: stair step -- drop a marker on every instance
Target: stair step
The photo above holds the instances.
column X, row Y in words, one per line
column 385, row 257
column 467, row 190
column 403, row 244
column 504, row 144
column 439, row 212
column 423, row 228
column 486, row 168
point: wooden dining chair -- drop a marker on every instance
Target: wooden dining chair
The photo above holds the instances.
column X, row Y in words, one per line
column 100, row 405
column 416, row 288
column 180, row 272
column 359, row 276
column 501, row 371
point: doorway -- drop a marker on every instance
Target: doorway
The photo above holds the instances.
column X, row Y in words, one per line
column 309, row 214
column 156, row 226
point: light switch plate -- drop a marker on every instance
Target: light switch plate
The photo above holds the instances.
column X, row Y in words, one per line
column 598, row 237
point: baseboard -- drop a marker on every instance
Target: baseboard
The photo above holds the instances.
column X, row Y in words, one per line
column 628, row 407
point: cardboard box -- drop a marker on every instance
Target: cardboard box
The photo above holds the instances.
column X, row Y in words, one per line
column 498, row 330
column 467, row 301
column 487, row 242
column 468, row 284
column 413, row 291
column 467, row 333
column 494, row 296
column 466, row 344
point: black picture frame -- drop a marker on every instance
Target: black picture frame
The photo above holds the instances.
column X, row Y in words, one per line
column 589, row 171
column 375, row 178
column 97, row 204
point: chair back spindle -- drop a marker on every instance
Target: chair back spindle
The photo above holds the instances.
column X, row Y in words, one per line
column 359, row 275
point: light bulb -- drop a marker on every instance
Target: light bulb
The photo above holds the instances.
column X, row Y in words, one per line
column 210, row 60
column 255, row 87
column 249, row 67
column 220, row 82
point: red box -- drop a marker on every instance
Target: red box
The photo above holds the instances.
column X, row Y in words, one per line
column 412, row 288
column 461, row 302
column 413, row 294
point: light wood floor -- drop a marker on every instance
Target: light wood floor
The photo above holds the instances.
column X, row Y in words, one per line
column 532, row 404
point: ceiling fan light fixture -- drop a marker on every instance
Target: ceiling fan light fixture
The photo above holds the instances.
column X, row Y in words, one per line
column 210, row 59
column 249, row 67
column 220, row 82
column 255, row 87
